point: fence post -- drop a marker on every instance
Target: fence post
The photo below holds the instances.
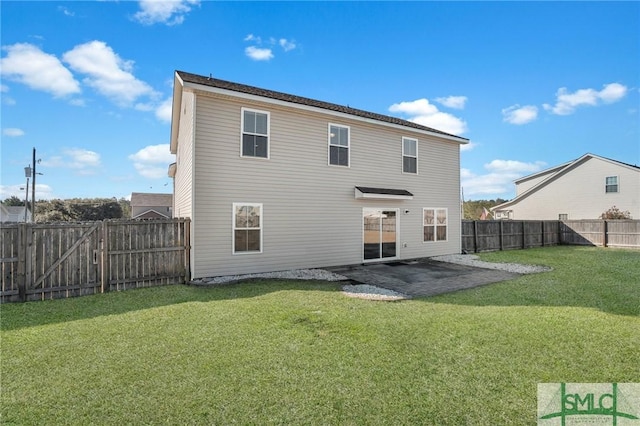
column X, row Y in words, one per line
column 542, row 230
column 501, row 235
column 475, row 236
column 187, row 249
column 22, row 258
column 105, row 271
column 605, row 232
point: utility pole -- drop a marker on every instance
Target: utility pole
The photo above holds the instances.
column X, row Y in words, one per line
column 33, row 188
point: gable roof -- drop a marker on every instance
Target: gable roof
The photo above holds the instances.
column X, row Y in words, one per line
column 144, row 199
column 555, row 173
column 186, row 79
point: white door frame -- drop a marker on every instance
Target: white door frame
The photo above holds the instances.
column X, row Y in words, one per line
column 397, row 234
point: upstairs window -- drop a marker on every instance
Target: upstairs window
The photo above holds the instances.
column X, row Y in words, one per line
column 435, row 224
column 409, row 155
column 338, row 145
column 611, row 184
column 255, row 133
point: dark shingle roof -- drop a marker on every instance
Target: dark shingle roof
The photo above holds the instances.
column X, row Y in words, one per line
column 242, row 88
column 386, row 191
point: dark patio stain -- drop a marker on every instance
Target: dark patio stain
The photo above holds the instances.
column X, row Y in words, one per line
column 423, row 277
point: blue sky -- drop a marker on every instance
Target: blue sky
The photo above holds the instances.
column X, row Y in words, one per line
column 532, row 85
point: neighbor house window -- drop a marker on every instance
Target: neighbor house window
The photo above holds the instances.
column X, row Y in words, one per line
column 435, row 224
column 409, row 155
column 611, row 184
column 338, row 145
column 255, row 133
column 247, row 228
column 563, row 216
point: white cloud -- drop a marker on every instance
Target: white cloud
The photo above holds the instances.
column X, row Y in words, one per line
column 66, row 11
column 422, row 112
column 287, row 45
column 566, row 103
column 468, row 146
column 83, row 161
column 153, row 161
column 258, row 54
column 12, row 132
column 251, row 37
column 498, row 179
column 31, row 66
column 107, row 72
column 456, row 102
column 43, row 191
column 4, row 88
column 517, row 114
column 169, row 12
column 163, row 111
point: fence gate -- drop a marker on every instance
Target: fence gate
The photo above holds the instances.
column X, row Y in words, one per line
column 64, row 261
column 53, row 261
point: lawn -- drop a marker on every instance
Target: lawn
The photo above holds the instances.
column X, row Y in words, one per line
column 290, row 352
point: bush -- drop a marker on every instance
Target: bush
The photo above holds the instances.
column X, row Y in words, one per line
column 615, row 213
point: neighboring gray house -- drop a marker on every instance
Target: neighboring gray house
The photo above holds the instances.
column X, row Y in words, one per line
column 151, row 206
column 14, row 213
column 580, row 189
column 274, row 181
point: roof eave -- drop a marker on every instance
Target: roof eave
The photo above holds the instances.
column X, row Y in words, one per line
column 249, row 96
column 178, row 85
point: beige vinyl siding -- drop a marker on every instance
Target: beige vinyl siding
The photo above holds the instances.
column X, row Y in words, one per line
column 310, row 215
column 526, row 184
column 580, row 193
column 183, row 196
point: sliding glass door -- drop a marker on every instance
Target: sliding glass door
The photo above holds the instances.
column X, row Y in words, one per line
column 379, row 233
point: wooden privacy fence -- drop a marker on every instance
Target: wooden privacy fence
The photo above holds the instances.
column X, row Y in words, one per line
column 51, row 261
column 488, row 235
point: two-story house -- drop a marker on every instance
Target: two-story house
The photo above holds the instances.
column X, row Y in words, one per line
column 580, row 189
column 273, row 181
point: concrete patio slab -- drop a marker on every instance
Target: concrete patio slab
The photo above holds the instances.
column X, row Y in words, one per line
column 423, row 277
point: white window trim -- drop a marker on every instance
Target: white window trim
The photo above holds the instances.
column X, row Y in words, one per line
column 617, row 184
column 435, row 225
column 233, row 229
column 243, row 109
column 404, row 155
column 329, row 145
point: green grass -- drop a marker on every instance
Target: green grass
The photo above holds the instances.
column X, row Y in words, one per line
column 291, row 352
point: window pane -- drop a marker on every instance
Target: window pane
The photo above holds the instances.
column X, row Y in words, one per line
column 428, row 233
column 240, row 240
column 250, row 121
column 253, row 240
column 338, row 156
column 339, row 136
column 429, row 216
column 260, row 148
column 409, row 165
column 344, row 136
column 241, row 216
column 442, row 217
column 248, row 145
column 261, row 124
column 410, row 147
column 253, row 219
column 442, row 233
